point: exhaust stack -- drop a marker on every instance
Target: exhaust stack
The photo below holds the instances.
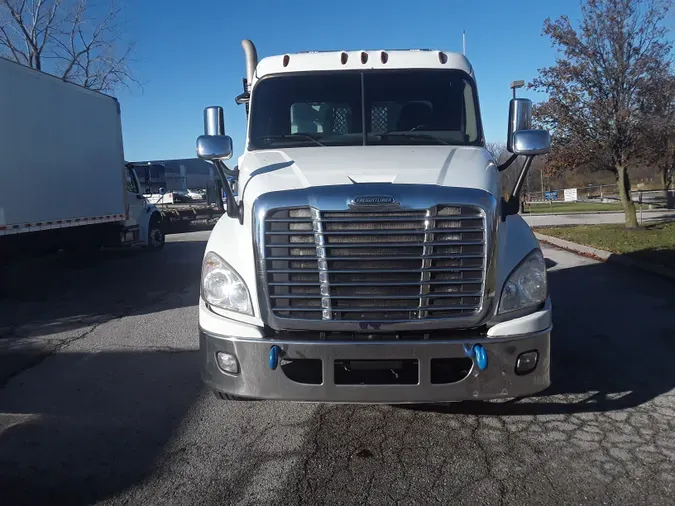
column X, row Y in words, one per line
column 251, row 61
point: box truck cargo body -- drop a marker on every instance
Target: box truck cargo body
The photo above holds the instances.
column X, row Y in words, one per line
column 63, row 180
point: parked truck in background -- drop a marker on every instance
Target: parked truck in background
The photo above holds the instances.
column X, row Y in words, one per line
column 181, row 207
column 369, row 255
column 63, row 179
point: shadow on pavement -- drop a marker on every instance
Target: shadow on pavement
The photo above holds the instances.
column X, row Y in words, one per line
column 664, row 255
column 97, row 429
column 58, row 294
column 612, row 346
column 185, row 227
column 655, row 257
column 655, row 219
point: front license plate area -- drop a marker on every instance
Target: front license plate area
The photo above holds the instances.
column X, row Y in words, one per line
column 376, row 372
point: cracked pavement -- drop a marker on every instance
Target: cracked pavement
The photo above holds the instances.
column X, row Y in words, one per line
column 101, row 402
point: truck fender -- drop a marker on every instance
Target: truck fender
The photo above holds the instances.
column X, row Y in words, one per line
column 232, row 242
column 516, row 240
column 155, row 235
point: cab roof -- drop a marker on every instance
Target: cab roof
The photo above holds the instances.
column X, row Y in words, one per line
column 362, row 60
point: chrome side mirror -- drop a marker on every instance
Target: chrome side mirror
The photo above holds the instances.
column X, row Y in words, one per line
column 520, row 118
column 214, row 147
column 531, row 142
column 214, row 144
column 214, row 121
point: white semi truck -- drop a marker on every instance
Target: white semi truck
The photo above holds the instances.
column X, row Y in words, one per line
column 63, row 179
column 369, row 255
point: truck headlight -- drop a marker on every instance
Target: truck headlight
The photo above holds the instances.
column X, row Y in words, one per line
column 526, row 285
column 223, row 287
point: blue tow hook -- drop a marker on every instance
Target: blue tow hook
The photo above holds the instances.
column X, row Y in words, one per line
column 481, row 357
column 274, row 357
column 478, row 353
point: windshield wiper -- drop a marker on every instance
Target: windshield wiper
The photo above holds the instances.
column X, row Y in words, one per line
column 286, row 137
column 411, row 135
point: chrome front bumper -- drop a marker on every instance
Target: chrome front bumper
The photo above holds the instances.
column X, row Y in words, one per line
column 256, row 379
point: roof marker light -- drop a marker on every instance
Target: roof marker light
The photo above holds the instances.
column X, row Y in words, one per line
column 384, row 57
column 364, row 57
column 287, row 60
column 442, row 57
column 344, row 57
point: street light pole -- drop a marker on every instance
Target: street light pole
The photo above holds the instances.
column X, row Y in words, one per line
column 515, row 85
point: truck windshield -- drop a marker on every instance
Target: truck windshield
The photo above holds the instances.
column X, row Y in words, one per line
column 351, row 108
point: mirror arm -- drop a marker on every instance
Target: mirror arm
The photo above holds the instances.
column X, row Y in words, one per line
column 521, row 178
column 230, row 172
column 245, row 97
column 233, row 210
column 242, row 98
column 512, row 206
column 507, row 163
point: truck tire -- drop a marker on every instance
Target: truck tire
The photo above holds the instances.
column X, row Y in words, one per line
column 156, row 235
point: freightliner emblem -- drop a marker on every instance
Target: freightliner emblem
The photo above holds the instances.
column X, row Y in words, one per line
column 373, row 201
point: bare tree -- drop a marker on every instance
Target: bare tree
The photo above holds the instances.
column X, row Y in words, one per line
column 603, row 73
column 497, row 150
column 68, row 39
column 510, row 175
column 658, row 109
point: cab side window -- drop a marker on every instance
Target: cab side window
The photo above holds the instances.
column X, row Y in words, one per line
column 132, row 185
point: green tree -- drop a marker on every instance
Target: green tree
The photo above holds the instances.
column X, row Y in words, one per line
column 605, row 71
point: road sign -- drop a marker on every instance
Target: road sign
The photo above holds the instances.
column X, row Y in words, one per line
column 570, row 194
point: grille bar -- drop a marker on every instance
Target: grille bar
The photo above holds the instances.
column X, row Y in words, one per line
column 349, row 266
column 361, row 271
column 379, row 244
column 376, row 283
column 374, row 309
column 382, row 297
column 319, row 240
column 373, row 219
column 388, row 257
column 388, row 232
column 425, row 276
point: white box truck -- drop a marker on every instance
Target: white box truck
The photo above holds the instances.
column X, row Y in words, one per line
column 63, row 179
column 369, row 255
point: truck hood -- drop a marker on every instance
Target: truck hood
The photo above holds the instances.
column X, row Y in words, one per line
column 453, row 166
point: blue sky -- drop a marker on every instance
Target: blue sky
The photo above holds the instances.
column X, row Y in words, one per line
column 188, row 54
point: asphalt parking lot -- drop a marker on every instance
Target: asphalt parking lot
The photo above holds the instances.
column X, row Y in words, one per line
column 101, row 402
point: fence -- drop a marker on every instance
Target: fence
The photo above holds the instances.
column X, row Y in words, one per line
column 600, row 194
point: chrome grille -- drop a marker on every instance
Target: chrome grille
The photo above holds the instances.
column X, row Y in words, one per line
column 375, row 266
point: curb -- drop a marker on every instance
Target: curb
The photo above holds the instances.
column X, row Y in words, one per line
column 605, row 256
